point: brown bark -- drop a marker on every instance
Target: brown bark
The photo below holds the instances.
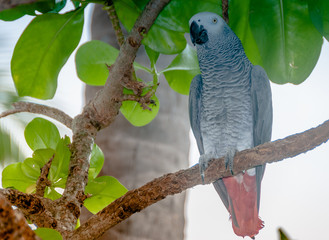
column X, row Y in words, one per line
column 137, row 155
column 7, row 4
column 13, row 225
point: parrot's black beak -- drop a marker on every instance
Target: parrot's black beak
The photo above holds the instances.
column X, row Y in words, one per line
column 198, row 34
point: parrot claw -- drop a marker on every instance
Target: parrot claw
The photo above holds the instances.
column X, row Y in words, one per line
column 203, row 164
column 229, row 157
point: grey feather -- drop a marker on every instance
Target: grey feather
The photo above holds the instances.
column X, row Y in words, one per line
column 262, row 115
column 195, row 108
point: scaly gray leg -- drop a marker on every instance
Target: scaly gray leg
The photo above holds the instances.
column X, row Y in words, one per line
column 203, row 163
column 229, row 157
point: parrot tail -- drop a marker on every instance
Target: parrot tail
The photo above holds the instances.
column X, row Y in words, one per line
column 242, row 192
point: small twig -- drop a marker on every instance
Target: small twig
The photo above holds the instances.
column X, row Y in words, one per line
column 39, row 109
column 115, row 22
column 13, row 224
column 43, row 180
column 225, row 10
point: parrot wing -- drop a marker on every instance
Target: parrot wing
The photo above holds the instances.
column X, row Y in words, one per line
column 195, row 109
column 261, row 99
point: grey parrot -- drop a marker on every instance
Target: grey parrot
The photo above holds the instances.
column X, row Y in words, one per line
column 230, row 109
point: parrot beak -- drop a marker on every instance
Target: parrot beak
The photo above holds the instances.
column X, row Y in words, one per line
column 198, row 34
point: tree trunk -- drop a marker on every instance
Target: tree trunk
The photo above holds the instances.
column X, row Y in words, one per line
column 136, row 155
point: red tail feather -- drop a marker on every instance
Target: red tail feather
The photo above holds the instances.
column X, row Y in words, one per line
column 242, row 191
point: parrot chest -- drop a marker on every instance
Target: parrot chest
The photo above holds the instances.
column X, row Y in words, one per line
column 226, row 118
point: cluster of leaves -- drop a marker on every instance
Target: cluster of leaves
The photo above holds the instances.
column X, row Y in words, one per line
column 44, row 139
column 285, row 37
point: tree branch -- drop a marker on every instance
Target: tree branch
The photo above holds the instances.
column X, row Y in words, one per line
column 13, row 224
column 35, row 208
column 225, row 10
column 39, row 109
column 43, row 180
column 173, row 183
column 115, row 22
column 7, row 4
column 101, row 112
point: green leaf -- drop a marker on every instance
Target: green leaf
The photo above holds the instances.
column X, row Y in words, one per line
column 159, row 38
column 239, row 23
column 60, row 164
column 153, row 56
column 138, row 116
column 51, row 193
column 319, row 12
column 49, row 40
column 103, row 191
column 181, row 70
column 176, row 15
column 48, row 234
column 287, row 40
column 170, row 42
column 40, row 133
column 283, row 235
column 96, row 162
column 14, row 177
column 23, row 176
column 91, row 60
column 42, row 6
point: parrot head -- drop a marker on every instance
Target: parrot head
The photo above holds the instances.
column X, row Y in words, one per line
column 206, row 27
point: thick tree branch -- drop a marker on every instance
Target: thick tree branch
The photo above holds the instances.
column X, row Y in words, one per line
column 101, row 112
column 39, row 109
column 173, row 183
column 35, row 208
column 7, row 4
column 225, row 10
column 13, row 224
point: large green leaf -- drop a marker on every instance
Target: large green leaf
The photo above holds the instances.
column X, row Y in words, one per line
column 41, row 133
column 239, row 23
column 14, row 177
column 91, row 60
column 181, row 70
column 159, row 38
column 319, row 12
column 42, row 50
column 103, row 191
column 176, row 15
column 287, row 40
column 48, row 234
column 42, row 6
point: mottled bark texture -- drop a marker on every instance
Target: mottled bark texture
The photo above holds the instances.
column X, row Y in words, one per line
column 138, row 155
column 13, row 225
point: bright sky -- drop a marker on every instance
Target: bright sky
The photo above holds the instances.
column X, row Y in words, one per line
column 295, row 194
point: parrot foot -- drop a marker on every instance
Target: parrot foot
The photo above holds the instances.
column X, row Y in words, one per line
column 229, row 157
column 203, row 164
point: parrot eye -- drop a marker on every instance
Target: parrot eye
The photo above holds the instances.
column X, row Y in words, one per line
column 214, row 20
